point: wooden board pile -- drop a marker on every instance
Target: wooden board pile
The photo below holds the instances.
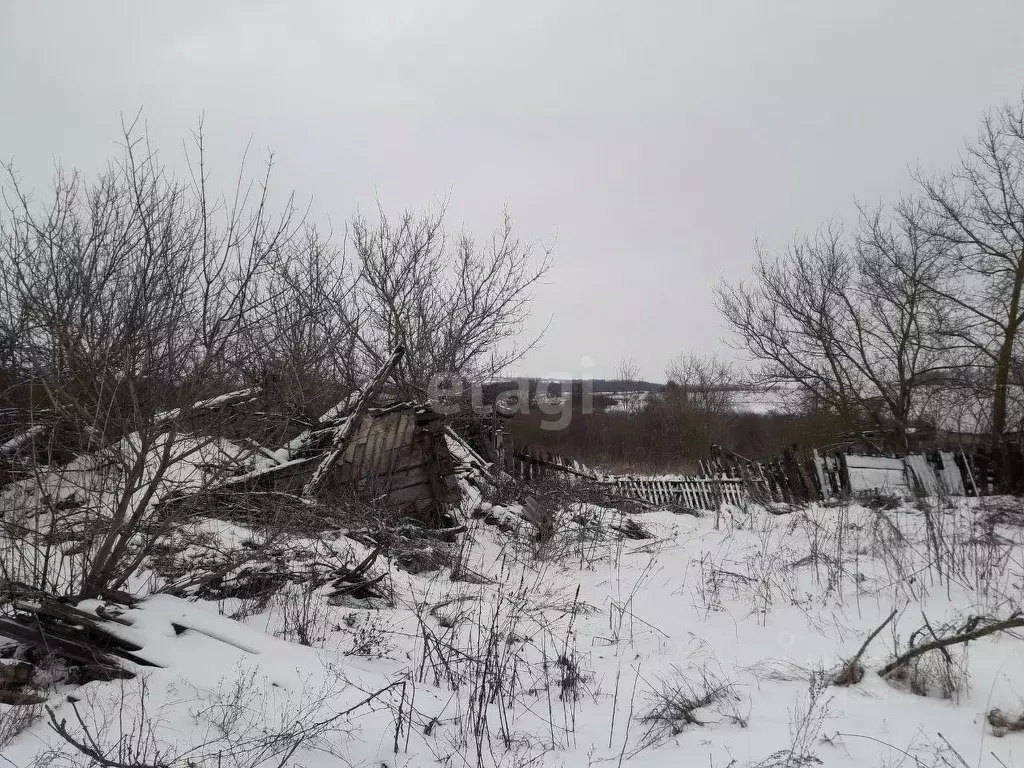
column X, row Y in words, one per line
column 88, row 640
column 42, row 628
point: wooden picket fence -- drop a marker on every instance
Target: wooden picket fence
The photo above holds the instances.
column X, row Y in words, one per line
column 706, row 492
column 698, row 492
column 526, row 462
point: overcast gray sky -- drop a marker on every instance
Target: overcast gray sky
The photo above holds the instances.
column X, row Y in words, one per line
column 656, row 140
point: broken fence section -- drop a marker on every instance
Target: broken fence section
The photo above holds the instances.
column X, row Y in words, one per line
column 697, row 492
column 799, row 476
column 795, row 476
column 527, row 462
column 705, row 492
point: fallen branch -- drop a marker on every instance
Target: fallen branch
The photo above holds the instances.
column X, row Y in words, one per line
column 89, row 746
column 974, row 628
column 852, row 671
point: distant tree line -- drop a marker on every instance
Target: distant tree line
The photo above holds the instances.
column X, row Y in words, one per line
column 670, row 428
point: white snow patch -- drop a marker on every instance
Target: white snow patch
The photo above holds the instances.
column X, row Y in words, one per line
column 760, row 603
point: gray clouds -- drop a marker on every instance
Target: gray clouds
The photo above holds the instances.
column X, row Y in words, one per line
column 655, row 139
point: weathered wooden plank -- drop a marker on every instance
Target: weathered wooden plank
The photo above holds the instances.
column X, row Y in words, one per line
column 367, row 464
column 386, row 455
column 344, row 431
column 397, row 480
column 63, row 642
column 405, row 443
column 418, row 492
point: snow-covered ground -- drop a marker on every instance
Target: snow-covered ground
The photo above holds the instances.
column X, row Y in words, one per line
column 586, row 650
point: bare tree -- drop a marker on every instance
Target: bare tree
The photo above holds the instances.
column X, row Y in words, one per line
column 302, row 350
column 791, row 317
column 628, row 373
column 899, row 339
column 123, row 302
column 855, row 327
column 705, row 382
column 627, row 370
column 453, row 304
column 977, row 209
column 698, row 402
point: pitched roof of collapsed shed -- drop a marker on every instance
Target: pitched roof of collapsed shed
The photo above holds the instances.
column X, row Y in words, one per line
column 396, row 455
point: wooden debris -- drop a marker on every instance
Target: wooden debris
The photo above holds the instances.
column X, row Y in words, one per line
column 228, row 399
column 258, row 573
column 631, row 529
column 344, row 431
column 1003, row 724
column 354, row 582
column 86, row 640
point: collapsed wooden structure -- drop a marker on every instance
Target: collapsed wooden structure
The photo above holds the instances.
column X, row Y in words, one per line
column 394, row 456
column 385, row 452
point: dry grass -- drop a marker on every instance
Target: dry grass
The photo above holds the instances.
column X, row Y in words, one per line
column 687, row 699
